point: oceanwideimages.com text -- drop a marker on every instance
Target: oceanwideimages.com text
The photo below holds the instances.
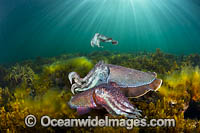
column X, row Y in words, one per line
column 46, row 121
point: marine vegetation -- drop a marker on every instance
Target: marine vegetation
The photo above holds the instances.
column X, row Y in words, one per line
column 20, row 74
column 3, row 73
column 183, row 84
column 158, row 62
column 41, row 87
column 57, row 72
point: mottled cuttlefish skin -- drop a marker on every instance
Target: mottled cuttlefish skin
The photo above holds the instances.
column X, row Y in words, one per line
column 108, row 86
column 127, row 77
column 134, row 82
column 104, row 96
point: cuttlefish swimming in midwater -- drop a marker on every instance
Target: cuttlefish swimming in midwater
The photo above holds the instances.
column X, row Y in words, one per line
column 101, row 38
column 109, row 86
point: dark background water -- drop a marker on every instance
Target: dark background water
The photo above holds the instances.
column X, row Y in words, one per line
column 30, row 28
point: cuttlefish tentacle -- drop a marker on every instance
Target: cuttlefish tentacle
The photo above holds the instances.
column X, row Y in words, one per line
column 73, row 76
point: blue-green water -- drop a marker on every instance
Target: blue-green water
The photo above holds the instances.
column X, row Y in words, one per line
column 30, row 28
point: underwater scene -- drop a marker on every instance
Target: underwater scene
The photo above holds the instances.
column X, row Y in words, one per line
column 128, row 61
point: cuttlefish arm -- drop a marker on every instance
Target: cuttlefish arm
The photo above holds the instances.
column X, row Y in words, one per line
column 98, row 75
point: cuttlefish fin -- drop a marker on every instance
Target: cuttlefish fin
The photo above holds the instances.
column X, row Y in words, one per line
column 135, row 92
column 153, row 73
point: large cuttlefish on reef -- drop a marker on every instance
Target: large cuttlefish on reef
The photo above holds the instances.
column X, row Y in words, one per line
column 109, row 86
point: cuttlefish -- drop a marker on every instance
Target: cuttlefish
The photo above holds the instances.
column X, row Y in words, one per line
column 109, row 86
column 98, row 38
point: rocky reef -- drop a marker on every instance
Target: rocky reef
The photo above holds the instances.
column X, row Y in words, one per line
column 41, row 87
